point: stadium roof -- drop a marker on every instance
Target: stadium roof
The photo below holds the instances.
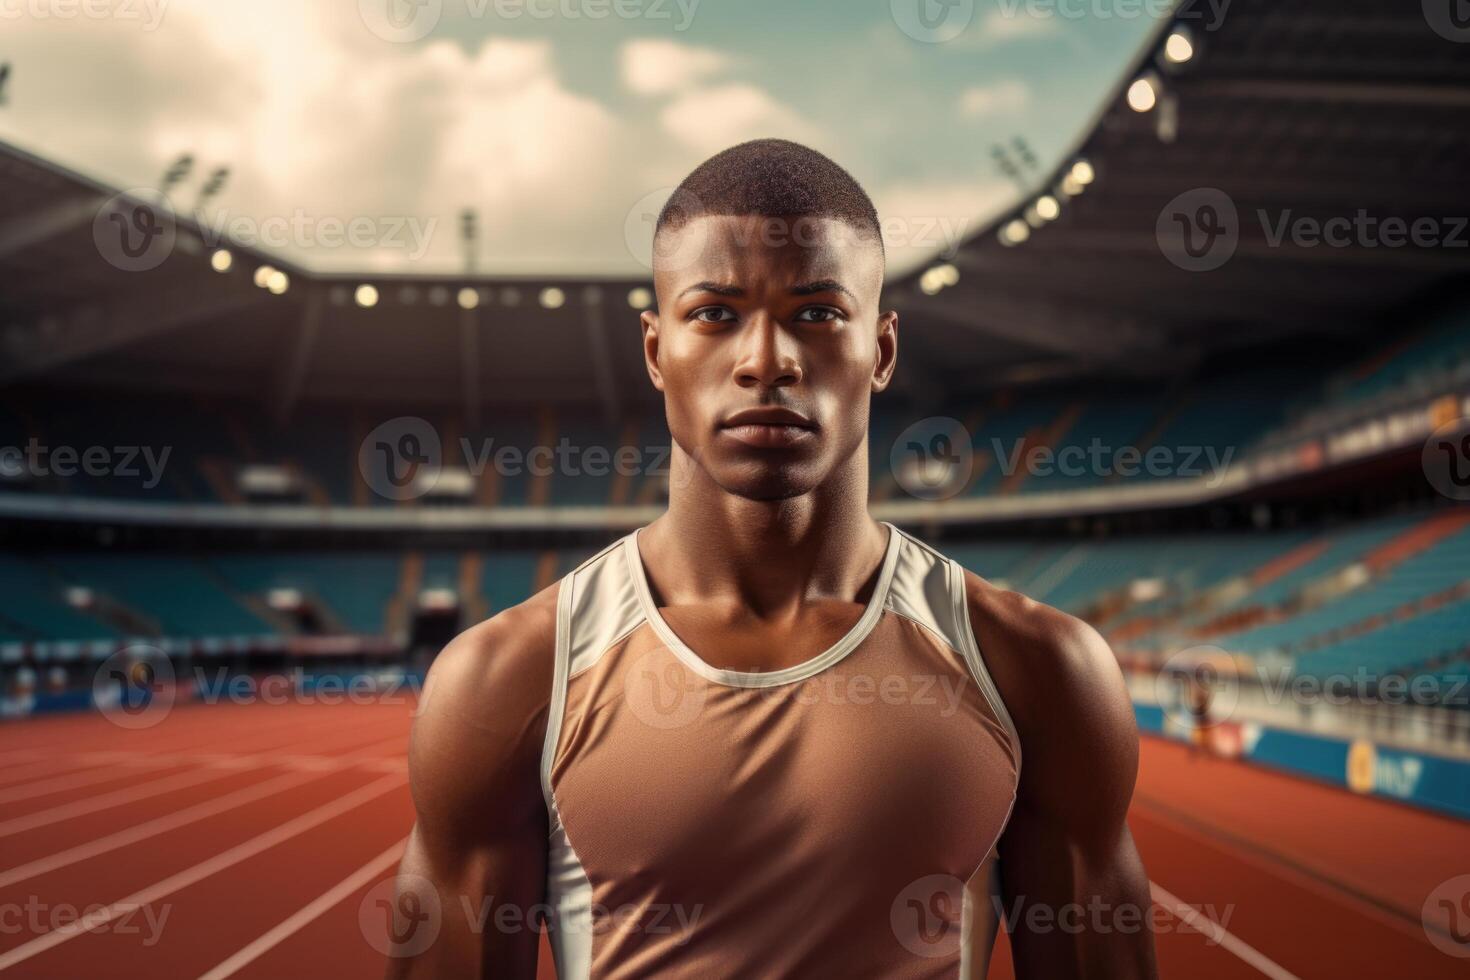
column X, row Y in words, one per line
column 1313, row 110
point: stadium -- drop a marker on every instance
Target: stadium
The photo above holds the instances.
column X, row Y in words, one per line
column 1204, row 382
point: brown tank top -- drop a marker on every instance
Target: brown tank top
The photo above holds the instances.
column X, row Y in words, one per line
column 836, row 818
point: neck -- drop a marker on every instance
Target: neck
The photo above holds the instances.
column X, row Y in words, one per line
column 767, row 555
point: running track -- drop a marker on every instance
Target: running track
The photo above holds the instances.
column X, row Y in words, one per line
column 261, row 830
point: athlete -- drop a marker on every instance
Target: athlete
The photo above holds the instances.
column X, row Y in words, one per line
column 767, row 735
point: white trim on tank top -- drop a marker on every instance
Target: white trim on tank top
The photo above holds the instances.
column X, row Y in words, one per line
column 771, row 678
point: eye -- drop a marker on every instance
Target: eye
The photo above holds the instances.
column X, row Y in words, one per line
column 713, row 314
column 818, row 314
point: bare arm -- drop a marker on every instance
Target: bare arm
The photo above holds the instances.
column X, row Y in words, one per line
column 479, row 844
column 1076, row 895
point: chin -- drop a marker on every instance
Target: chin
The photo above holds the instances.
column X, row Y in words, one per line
column 769, row 482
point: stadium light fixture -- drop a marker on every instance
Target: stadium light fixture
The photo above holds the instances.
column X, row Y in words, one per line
column 263, row 276
column 1048, row 208
column 640, row 297
column 1082, row 172
column 221, row 260
column 948, row 273
column 929, row 283
column 552, row 298
column 278, row 282
column 366, row 295
column 1015, row 232
column 468, row 298
column 1179, row 47
column 1143, row 94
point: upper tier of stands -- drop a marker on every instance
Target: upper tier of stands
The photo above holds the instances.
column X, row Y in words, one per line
column 163, row 450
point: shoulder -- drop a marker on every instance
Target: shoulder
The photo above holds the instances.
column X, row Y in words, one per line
column 481, row 717
column 503, row 660
column 1064, row 690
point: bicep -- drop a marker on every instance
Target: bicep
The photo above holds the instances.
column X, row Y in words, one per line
column 476, row 859
column 1073, row 880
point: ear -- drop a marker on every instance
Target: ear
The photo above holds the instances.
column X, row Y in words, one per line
column 649, row 319
column 886, row 358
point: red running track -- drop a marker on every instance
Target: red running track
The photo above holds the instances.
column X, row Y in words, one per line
column 252, row 841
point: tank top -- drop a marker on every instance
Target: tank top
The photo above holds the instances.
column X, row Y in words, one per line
column 834, row 818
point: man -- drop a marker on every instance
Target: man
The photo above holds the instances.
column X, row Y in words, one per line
column 768, row 736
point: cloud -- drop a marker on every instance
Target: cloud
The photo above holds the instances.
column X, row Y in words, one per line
column 711, row 119
column 655, row 66
column 985, row 100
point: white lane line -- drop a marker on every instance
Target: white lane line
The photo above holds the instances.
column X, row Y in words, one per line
column 139, row 791
column 307, row 913
column 41, row 768
column 188, row 815
column 1226, row 940
column 218, row 768
column 60, row 784
column 204, row 869
column 151, row 828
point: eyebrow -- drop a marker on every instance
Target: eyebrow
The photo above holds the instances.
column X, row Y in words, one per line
column 822, row 286
column 802, row 289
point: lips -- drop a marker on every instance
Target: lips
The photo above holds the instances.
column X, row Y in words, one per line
column 769, row 428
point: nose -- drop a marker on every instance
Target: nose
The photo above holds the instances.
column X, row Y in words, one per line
column 768, row 355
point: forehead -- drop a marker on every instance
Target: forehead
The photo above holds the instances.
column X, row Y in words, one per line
column 737, row 249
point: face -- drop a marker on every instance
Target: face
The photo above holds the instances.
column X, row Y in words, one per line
column 768, row 345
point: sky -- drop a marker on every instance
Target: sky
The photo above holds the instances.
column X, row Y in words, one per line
column 357, row 131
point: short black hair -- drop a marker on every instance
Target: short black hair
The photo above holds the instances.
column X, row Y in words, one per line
column 771, row 178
